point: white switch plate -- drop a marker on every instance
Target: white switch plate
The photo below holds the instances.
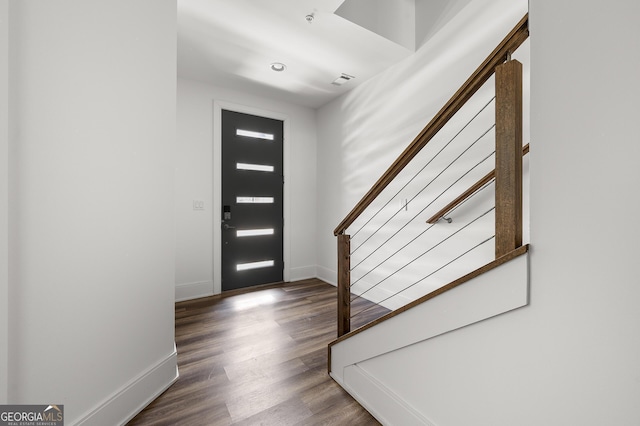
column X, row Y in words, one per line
column 198, row 205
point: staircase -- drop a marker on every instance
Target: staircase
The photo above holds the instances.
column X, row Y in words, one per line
column 429, row 242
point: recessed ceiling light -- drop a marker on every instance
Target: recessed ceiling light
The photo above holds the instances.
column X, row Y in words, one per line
column 278, row 66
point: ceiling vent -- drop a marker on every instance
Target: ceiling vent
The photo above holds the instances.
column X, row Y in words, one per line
column 342, row 79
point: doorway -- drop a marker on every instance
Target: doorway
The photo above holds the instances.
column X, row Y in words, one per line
column 251, row 200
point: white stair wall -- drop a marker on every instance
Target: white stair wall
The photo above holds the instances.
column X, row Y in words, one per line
column 495, row 292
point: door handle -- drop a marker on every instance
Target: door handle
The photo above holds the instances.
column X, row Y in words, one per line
column 227, row 226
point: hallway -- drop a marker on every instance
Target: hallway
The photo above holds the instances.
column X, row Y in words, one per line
column 258, row 357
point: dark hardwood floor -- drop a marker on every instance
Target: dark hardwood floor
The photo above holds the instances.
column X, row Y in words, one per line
column 258, row 358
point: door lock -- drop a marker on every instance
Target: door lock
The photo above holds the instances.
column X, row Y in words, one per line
column 227, row 226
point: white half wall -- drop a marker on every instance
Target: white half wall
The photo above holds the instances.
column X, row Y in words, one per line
column 197, row 251
column 402, row 344
column 92, row 261
column 505, row 288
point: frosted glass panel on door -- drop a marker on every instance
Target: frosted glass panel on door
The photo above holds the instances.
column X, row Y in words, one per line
column 254, row 232
column 256, row 135
column 254, row 200
column 255, row 167
column 254, row 265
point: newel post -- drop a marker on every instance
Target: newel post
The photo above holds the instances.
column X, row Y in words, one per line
column 344, row 284
column 508, row 157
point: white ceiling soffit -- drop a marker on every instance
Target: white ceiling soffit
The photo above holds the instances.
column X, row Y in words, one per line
column 392, row 19
column 232, row 43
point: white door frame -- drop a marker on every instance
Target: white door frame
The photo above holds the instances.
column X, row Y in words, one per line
column 218, row 106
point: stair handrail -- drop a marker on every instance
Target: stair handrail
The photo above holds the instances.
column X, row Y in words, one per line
column 500, row 54
column 469, row 192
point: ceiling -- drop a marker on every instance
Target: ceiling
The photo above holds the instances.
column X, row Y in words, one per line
column 232, row 43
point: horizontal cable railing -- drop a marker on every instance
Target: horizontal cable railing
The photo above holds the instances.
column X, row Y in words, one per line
column 394, row 254
column 391, row 249
column 475, row 188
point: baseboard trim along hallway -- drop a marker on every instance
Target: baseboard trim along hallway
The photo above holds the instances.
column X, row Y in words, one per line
column 133, row 397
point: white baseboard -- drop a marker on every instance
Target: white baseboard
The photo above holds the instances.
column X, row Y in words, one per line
column 380, row 401
column 127, row 402
column 195, row 290
column 327, row 275
column 302, row 273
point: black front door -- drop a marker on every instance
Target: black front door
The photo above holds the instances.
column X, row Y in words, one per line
column 252, row 200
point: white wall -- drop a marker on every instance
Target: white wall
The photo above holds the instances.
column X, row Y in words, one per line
column 195, row 174
column 92, row 266
column 571, row 356
column 4, row 197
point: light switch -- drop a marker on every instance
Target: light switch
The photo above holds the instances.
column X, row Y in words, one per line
column 198, row 205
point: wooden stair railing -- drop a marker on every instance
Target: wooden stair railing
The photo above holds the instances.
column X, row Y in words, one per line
column 508, row 171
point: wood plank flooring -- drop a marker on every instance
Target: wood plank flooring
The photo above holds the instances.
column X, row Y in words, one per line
column 258, row 358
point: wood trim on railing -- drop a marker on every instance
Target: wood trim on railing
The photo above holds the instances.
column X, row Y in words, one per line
column 509, row 44
column 344, row 284
column 489, row 266
column 469, row 192
column 508, row 193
